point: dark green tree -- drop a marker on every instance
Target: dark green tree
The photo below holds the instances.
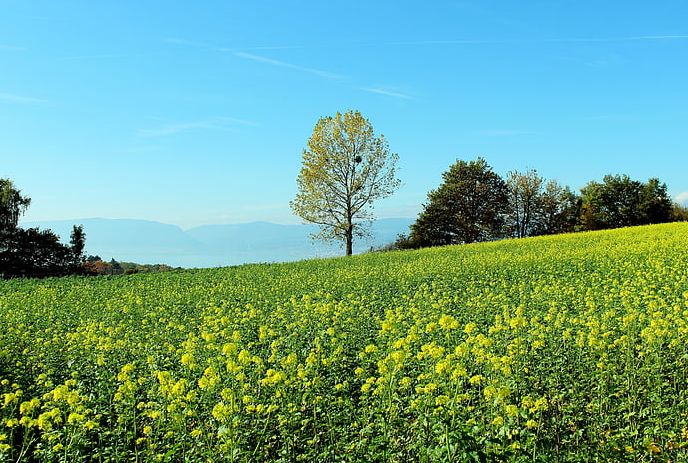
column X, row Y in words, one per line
column 559, row 210
column 33, row 252
column 12, row 205
column 679, row 213
column 469, row 206
column 620, row 201
column 116, row 267
column 77, row 240
column 655, row 205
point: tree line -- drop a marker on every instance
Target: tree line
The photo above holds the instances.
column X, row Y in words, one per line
column 346, row 168
column 474, row 204
column 95, row 265
column 33, row 252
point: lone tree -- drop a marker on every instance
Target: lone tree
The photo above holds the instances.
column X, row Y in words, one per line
column 345, row 169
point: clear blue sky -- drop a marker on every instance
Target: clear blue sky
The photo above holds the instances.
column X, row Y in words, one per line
column 192, row 113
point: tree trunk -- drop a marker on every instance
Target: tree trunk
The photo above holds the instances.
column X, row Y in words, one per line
column 349, row 241
column 349, row 232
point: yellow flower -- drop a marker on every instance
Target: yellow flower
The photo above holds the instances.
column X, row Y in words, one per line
column 75, row 418
column 477, row 379
column 9, row 398
column 652, row 447
column 27, row 407
column 221, row 411
column 90, row 425
column 470, row 328
column 179, row 388
column 512, row 410
column 447, row 322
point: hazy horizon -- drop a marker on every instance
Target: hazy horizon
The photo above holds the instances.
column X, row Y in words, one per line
column 152, row 242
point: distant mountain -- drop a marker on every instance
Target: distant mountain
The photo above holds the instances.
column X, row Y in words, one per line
column 149, row 242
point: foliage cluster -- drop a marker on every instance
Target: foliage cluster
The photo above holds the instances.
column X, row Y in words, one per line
column 94, row 265
column 475, row 204
column 569, row 348
column 33, row 252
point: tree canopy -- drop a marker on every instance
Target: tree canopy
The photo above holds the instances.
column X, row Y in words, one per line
column 12, row 205
column 539, row 207
column 345, row 169
column 619, row 201
column 33, row 252
column 469, row 206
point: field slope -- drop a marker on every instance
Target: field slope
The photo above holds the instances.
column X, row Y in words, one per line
column 570, row 348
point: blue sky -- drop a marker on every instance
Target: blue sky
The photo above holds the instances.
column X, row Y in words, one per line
column 193, row 113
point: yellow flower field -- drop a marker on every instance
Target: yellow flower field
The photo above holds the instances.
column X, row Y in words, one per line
column 570, row 348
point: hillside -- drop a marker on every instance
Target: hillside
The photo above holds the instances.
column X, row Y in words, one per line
column 560, row 348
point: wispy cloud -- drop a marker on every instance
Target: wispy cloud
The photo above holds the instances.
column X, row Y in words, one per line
column 103, row 56
column 20, row 99
column 621, row 39
column 273, row 62
column 526, row 41
column 453, row 42
column 682, row 198
column 236, row 51
column 503, row 133
column 178, row 41
column 602, row 117
column 11, row 47
column 213, row 123
column 386, row 92
column 266, row 47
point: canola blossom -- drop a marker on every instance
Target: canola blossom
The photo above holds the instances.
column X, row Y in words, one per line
column 570, row 348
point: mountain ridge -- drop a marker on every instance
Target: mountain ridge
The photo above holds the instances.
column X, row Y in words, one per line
column 212, row 245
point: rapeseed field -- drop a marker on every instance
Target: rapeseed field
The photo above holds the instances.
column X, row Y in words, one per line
column 570, row 348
